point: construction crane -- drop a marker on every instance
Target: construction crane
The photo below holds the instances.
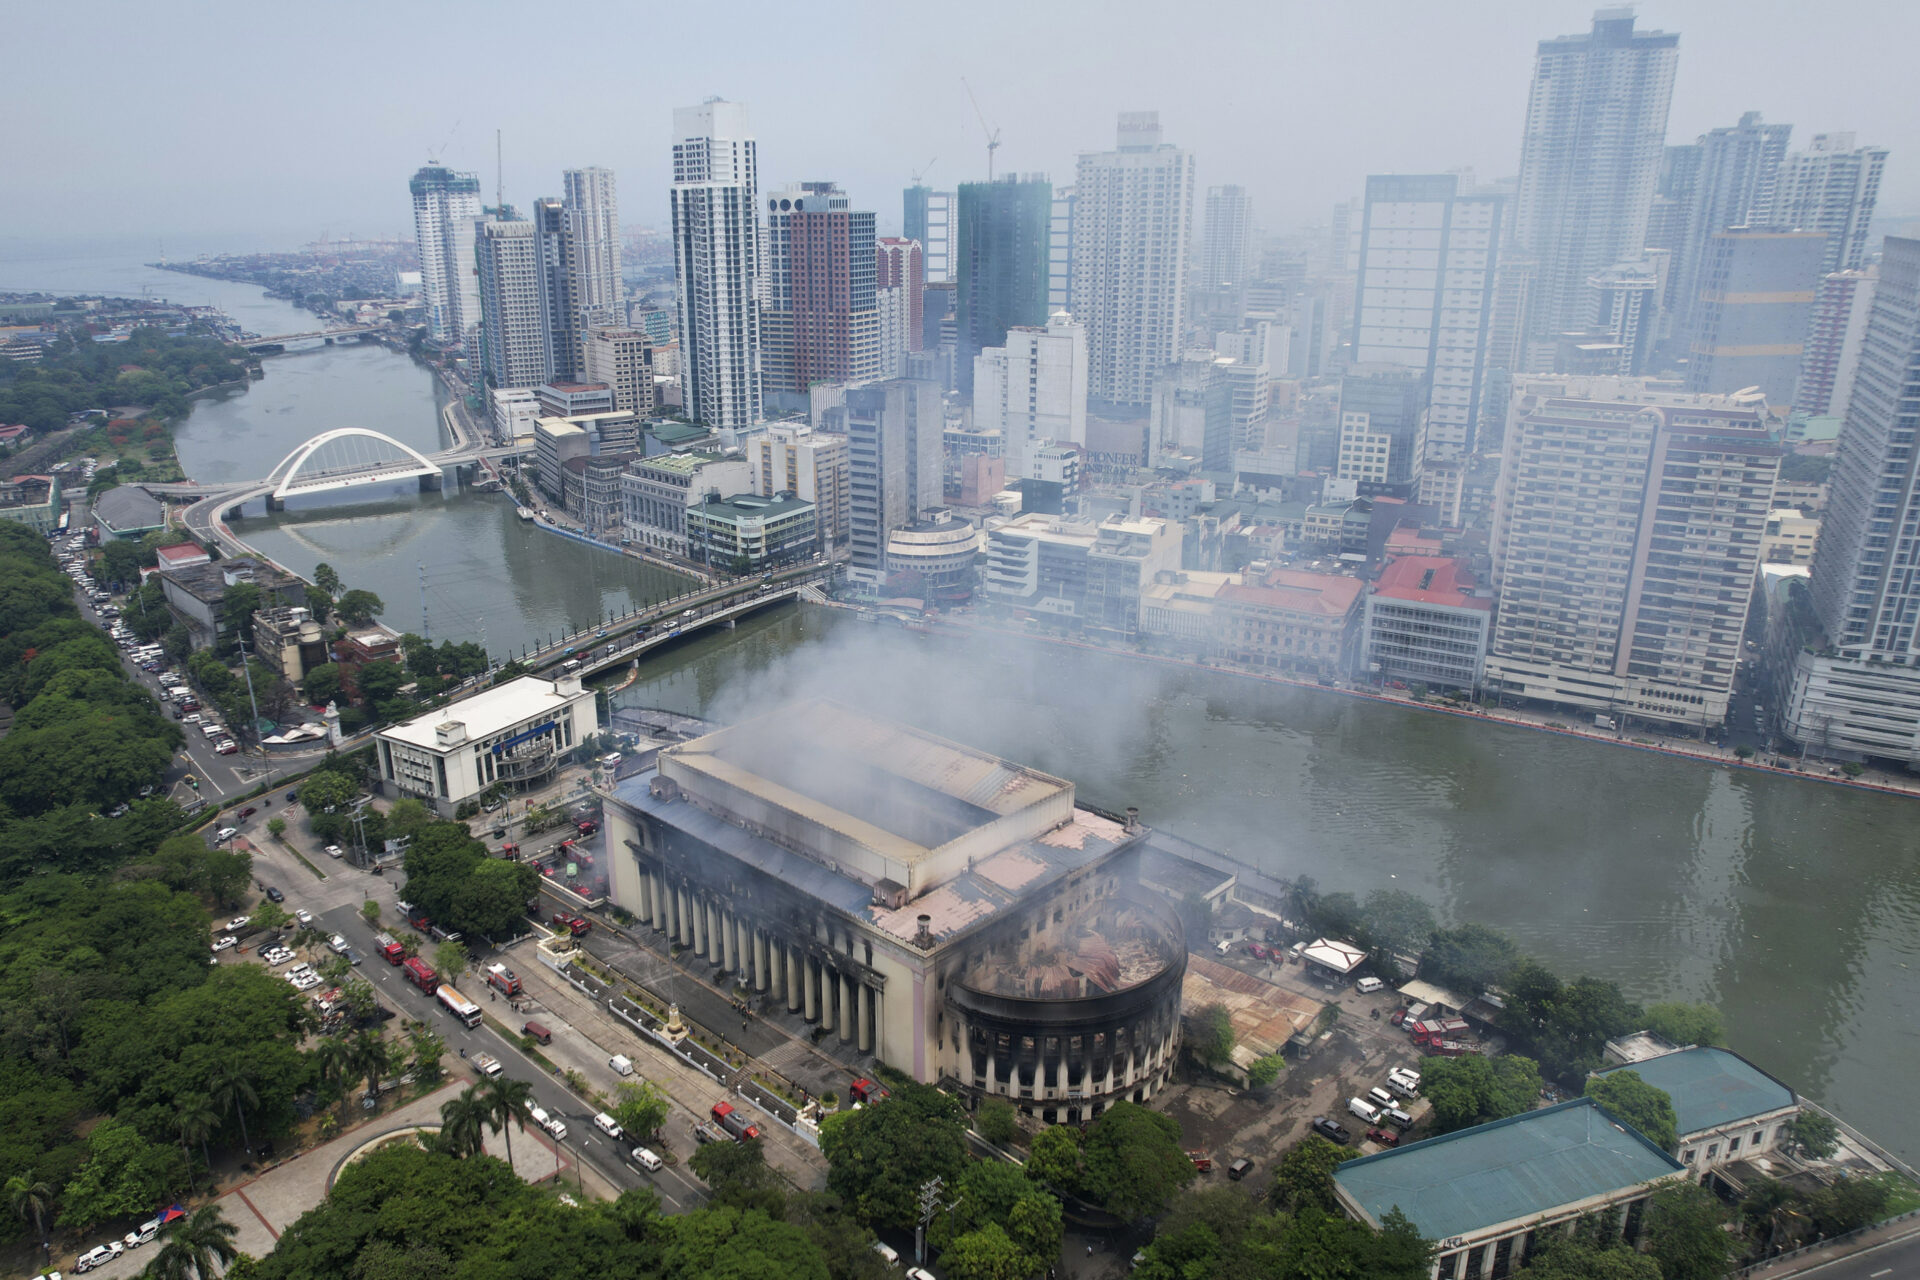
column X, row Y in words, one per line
column 993, row 134
column 924, row 170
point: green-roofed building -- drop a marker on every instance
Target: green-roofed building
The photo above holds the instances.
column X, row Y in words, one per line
column 1724, row 1107
column 1485, row 1193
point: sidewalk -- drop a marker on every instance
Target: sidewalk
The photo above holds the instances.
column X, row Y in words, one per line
column 1896, row 1232
column 589, row 1035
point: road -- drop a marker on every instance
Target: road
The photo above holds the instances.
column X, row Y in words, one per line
column 336, row 905
column 1898, row 1257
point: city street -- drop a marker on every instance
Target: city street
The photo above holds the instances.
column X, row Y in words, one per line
column 336, row 904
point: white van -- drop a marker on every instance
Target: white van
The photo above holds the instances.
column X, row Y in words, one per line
column 888, row 1252
column 1367, row 986
column 621, row 1064
column 608, row 1125
column 1368, row 1113
column 647, row 1160
column 1224, row 946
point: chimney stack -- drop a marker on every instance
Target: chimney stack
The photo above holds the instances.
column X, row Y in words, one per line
column 924, row 938
column 1133, row 818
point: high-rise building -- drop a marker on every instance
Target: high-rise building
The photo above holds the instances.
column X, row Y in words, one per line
column 1626, row 540
column 900, row 274
column 1589, row 161
column 1192, row 410
column 811, row 465
column 893, row 432
column 1060, row 251
column 1832, row 186
column 1428, row 258
column 1672, row 197
column 623, row 359
column 1383, row 415
column 1133, row 221
column 556, row 289
column 822, row 318
column 1854, row 689
column 929, row 218
column 1841, row 307
column 1226, row 244
column 593, row 235
column 513, row 322
column 1734, row 188
column 1756, row 298
column 1627, row 314
column 1002, row 255
column 717, row 264
column 446, row 205
column 1033, row 390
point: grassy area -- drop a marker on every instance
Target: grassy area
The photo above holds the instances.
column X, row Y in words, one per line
column 1902, row 1195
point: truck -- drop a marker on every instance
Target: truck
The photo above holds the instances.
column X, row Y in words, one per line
column 389, row 948
column 865, row 1090
column 420, row 974
column 503, row 980
column 1433, row 1029
column 735, row 1124
column 486, row 1064
column 704, row 1132
column 458, row 1005
column 1603, row 722
column 1451, row 1048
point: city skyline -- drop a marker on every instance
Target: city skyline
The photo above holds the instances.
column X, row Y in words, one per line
column 1219, row 105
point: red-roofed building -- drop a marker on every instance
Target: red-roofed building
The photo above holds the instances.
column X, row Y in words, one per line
column 1290, row 620
column 181, row 555
column 1426, row 621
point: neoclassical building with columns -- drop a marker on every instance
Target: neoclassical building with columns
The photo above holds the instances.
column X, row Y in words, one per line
column 956, row 915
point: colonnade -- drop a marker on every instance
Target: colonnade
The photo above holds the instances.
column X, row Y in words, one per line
column 803, row 973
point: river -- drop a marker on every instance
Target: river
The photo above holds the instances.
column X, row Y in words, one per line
column 452, row 565
column 1794, row 906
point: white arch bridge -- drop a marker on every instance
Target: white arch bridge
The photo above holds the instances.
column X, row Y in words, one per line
column 347, row 458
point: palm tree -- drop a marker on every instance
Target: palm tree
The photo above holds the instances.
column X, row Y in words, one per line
column 232, row 1091
column 194, row 1247
column 195, row 1120
column 370, row 1058
column 508, row 1102
column 335, row 1060
column 461, row 1122
column 32, row 1202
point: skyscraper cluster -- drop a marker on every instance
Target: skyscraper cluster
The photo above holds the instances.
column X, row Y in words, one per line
column 1598, row 363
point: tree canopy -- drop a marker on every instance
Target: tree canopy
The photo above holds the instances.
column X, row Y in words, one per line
column 1632, row 1099
column 878, row 1157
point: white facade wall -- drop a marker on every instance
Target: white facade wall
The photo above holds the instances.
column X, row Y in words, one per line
column 1033, row 390
column 717, row 262
column 1132, row 223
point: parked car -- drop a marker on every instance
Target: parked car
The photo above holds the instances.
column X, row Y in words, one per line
column 337, row 944
column 1331, row 1130
column 222, row 943
column 274, row 894
column 1385, row 1137
column 248, row 812
column 225, row 834
column 226, row 747
column 238, row 923
column 303, row 916
column 333, row 851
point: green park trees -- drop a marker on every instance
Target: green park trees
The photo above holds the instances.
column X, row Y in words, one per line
column 878, row 1157
column 1472, row 1090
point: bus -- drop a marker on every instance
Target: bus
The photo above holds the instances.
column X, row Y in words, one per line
column 459, row 1006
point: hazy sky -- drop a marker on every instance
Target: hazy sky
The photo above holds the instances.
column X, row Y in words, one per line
column 276, row 123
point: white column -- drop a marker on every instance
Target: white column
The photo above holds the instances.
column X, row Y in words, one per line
column 796, row 980
column 865, row 1015
column 760, row 959
column 810, row 978
column 848, row 1006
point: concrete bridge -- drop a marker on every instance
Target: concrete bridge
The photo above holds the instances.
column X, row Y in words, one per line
column 599, row 649
column 282, row 339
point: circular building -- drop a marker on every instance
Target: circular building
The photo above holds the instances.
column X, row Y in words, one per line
column 1077, row 1010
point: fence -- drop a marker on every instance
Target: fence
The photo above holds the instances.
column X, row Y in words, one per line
column 1828, row 1243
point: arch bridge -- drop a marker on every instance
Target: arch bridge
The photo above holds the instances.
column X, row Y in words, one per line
column 347, row 458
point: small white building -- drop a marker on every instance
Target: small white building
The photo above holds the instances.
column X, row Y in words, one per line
column 515, row 733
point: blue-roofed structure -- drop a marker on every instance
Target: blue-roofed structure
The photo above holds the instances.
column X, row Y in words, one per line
column 1724, row 1107
column 1483, row 1191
